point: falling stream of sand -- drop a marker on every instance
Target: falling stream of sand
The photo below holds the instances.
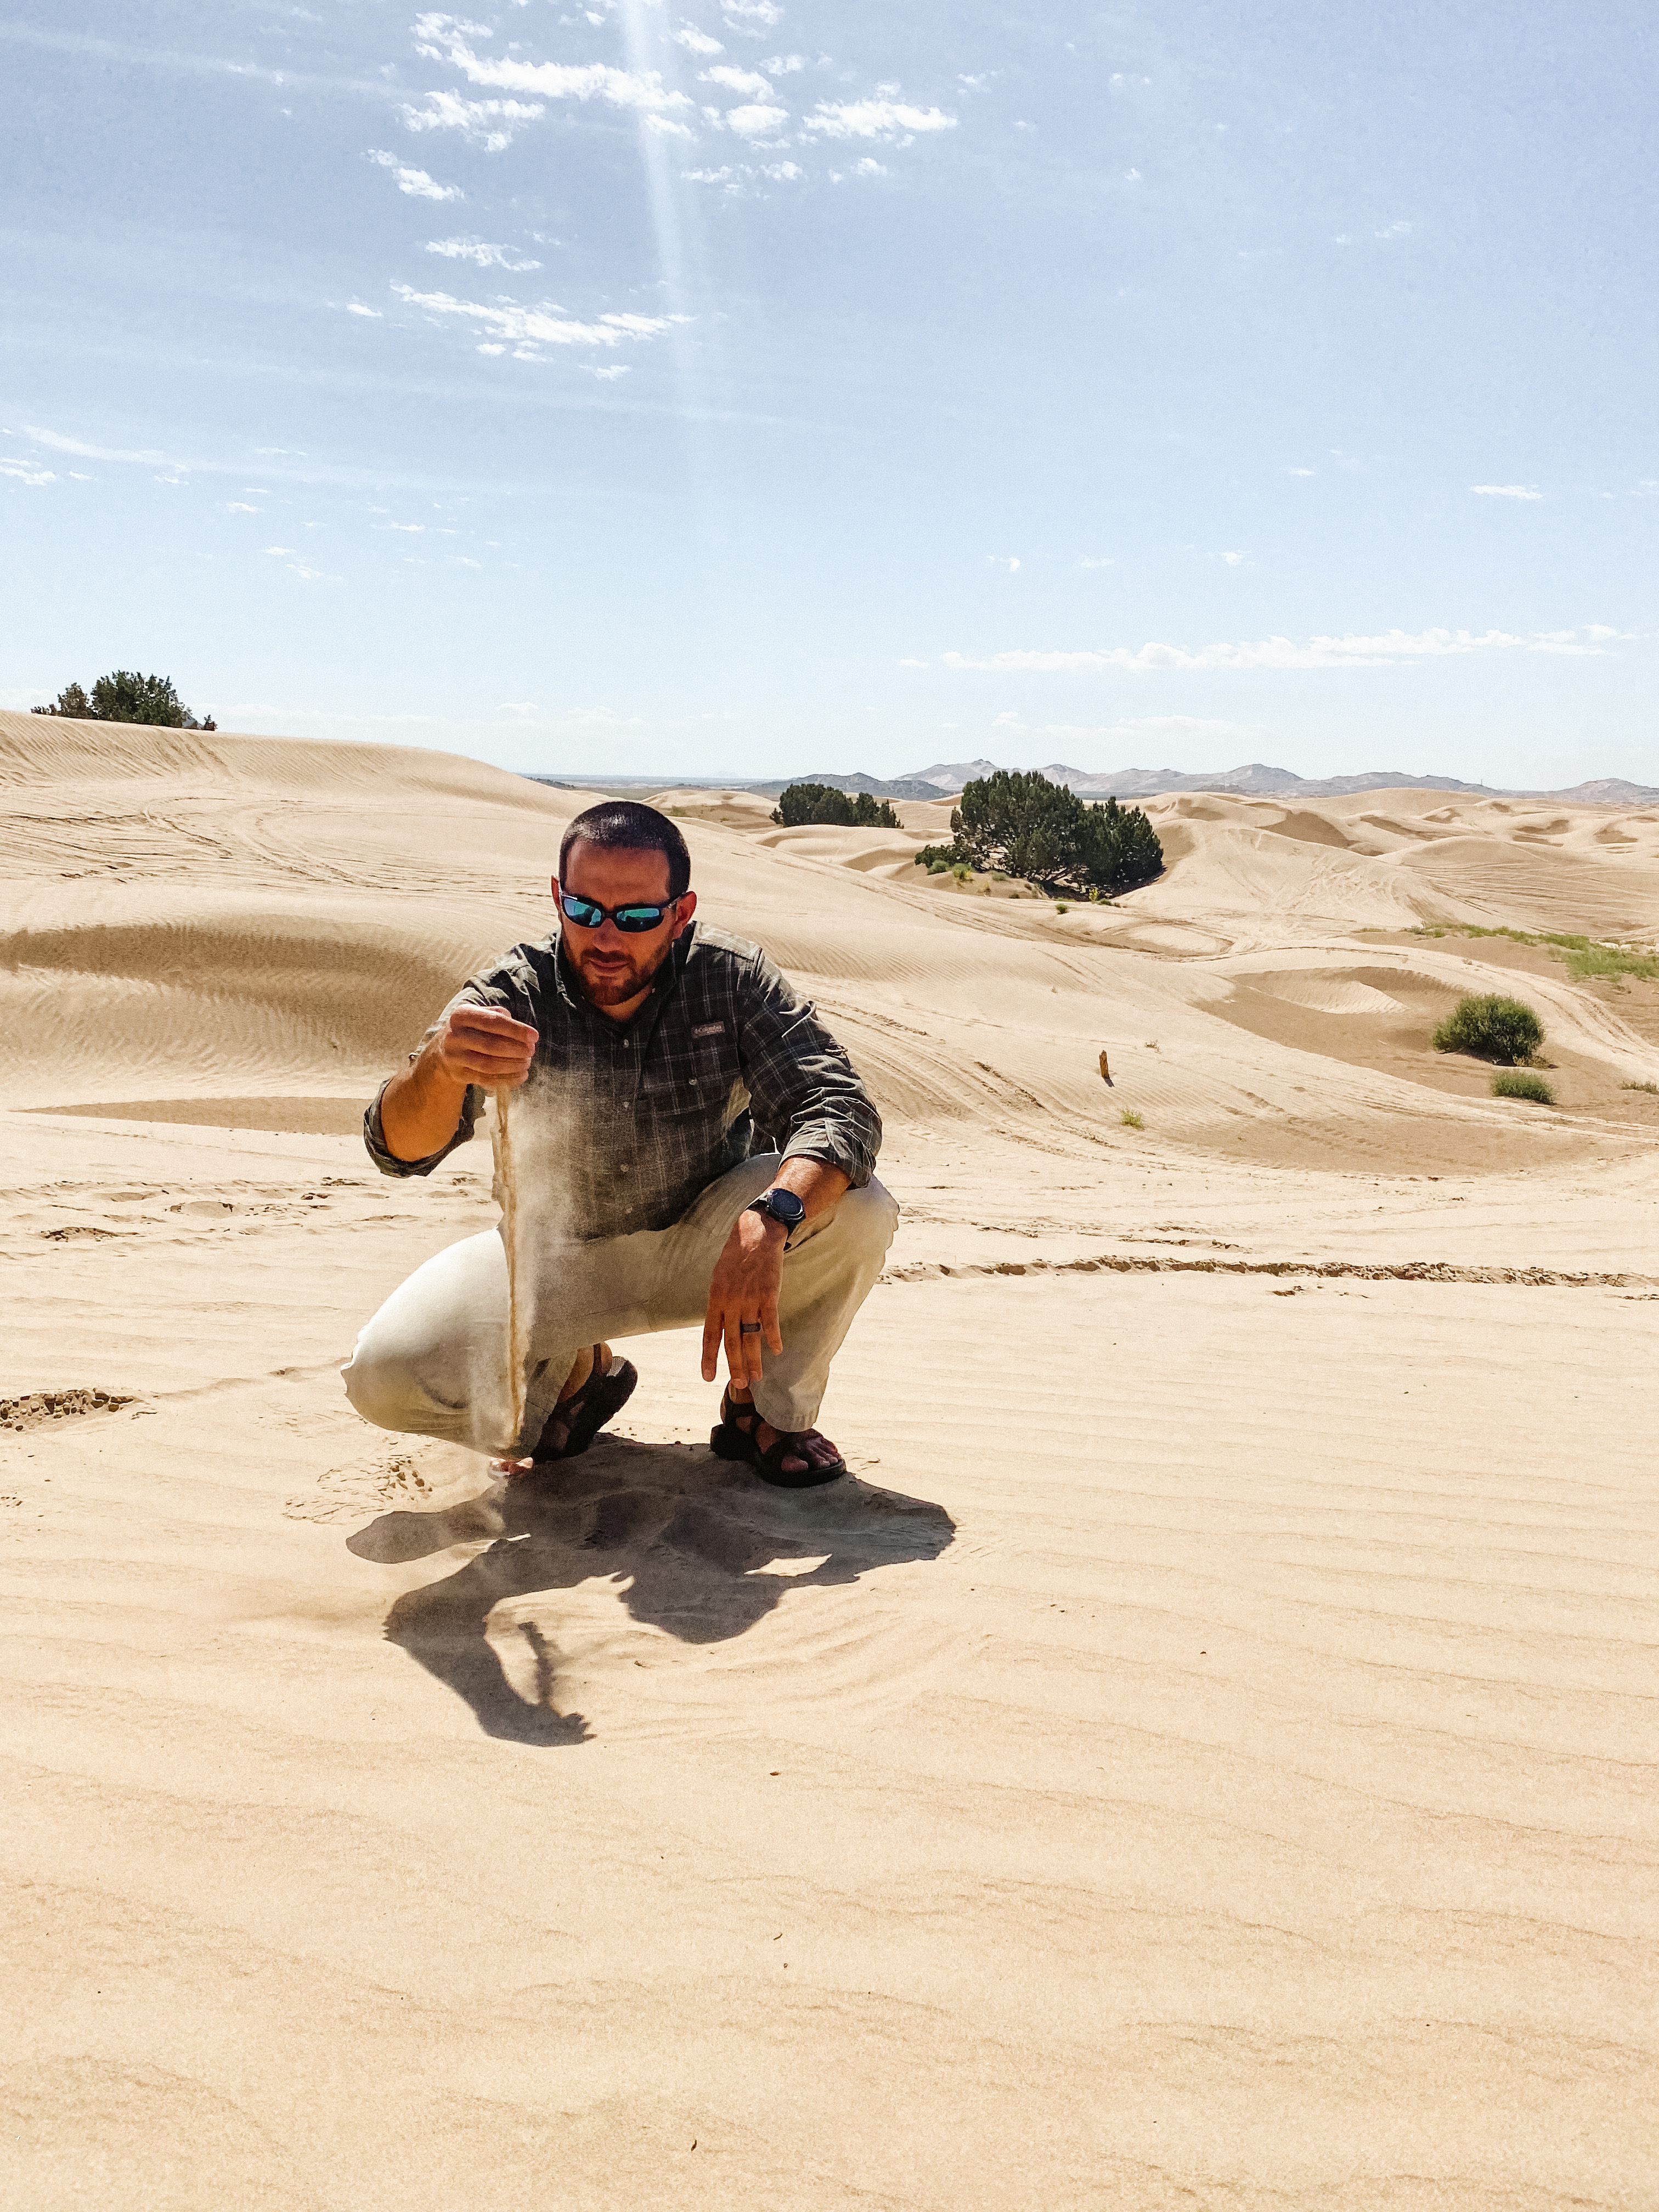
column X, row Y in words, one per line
column 517, row 1320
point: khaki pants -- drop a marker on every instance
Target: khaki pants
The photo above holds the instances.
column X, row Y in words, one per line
column 432, row 1362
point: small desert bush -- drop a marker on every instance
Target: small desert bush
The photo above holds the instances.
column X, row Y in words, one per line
column 1652, row 1089
column 938, row 867
column 1061, row 907
column 1520, row 1083
column 1490, row 1028
column 1130, row 1118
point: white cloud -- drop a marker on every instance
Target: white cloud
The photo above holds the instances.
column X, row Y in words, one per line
column 476, row 250
column 740, row 14
column 733, row 175
column 757, row 121
column 1232, row 559
column 21, row 472
column 83, row 452
column 666, row 128
column 415, row 182
column 609, row 375
column 241, row 507
column 1392, row 648
column 912, row 664
column 355, row 307
column 1394, row 230
column 491, row 123
column 874, row 118
column 526, row 328
column 1090, row 561
column 1299, row 472
column 1507, row 491
column 869, row 167
column 695, row 41
column 283, row 552
column 737, row 80
column 784, row 64
column 1008, row 560
column 444, row 38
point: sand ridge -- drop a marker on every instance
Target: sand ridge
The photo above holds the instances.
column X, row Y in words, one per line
column 1203, row 1756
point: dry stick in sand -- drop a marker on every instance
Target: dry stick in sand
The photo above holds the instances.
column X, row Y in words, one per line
column 518, row 1347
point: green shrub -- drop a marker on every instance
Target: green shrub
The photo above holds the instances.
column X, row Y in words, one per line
column 937, row 867
column 1652, row 1089
column 821, row 802
column 1061, row 907
column 1130, row 1118
column 1520, row 1083
column 1490, row 1028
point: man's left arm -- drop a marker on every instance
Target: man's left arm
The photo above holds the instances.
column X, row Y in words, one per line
column 804, row 1089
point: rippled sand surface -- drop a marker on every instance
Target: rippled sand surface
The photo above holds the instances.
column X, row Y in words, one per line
column 1204, row 1755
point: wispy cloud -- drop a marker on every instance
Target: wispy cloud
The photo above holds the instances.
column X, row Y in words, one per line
column 527, row 329
column 695, row 41
column 751, row 15
column 734, row 176
column 1391, row 648
column 356, row 307
column 445, row 38
column 415, row 182
column 484, row 255
column 1507, row 491
column 84, row 451
column 21, row 472
column 491, row 123
column 737, row 80
column 874, row 118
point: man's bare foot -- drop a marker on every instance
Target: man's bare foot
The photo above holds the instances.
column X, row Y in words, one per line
column 809, row 1448
column 557, row 1434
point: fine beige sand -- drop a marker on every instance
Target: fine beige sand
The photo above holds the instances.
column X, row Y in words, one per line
column 1202, row 1761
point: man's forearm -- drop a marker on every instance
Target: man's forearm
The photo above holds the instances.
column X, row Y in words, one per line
column 815, row 1181
column 421, row 1109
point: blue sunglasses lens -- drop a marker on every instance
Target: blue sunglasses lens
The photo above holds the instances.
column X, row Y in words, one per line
column 587, row 913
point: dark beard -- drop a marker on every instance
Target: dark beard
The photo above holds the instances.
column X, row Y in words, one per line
column 617, row 991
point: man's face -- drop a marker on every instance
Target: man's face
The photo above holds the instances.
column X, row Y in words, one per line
column 617, row 965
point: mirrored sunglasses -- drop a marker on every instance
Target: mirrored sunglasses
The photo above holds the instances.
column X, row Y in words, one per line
column 588, row 914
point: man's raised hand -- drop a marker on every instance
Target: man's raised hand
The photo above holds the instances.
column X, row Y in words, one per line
column 483, row 1045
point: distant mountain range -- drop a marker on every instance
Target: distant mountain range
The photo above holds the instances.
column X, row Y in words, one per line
column 1254, row 781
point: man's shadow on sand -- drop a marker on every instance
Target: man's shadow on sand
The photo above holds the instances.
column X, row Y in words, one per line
column 687, row 1533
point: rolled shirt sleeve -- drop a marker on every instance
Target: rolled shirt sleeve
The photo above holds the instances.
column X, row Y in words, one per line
column 805, row 1092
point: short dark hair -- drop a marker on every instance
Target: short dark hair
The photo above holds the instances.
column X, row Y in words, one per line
column 641, row 829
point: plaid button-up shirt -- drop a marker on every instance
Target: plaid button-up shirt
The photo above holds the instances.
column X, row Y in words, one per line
column 724, row 1059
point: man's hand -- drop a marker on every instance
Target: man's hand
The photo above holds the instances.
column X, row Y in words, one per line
column 421, row 1109
column 481, row 1044
column 745, row 1288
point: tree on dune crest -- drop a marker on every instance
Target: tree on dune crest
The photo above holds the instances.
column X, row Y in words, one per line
column 125, row 696
column 805, row 803
column 1033, row 827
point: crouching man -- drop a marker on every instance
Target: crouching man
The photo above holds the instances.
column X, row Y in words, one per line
column 701, row 1142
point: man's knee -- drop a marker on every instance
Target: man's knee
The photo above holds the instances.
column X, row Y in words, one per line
column 378, row 1387
column 869, row 1217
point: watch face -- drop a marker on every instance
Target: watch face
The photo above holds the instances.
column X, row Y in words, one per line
column 785, row 1206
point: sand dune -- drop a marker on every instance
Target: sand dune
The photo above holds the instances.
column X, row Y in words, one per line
column 1203, row 1755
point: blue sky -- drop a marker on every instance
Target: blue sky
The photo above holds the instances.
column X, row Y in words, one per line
column 761, row 387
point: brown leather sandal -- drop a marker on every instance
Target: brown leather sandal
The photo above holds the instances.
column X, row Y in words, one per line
column 586, row 1412
column 731, row 1440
